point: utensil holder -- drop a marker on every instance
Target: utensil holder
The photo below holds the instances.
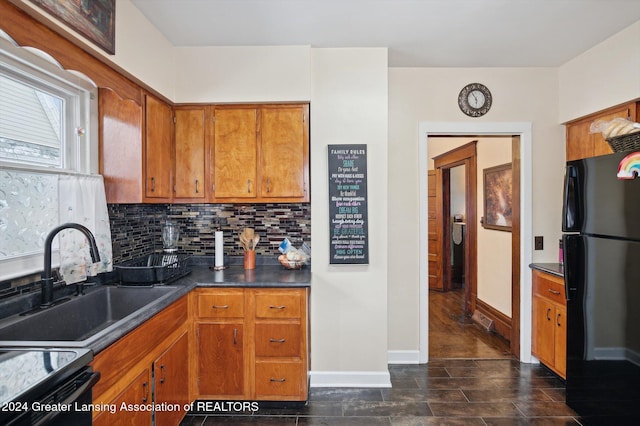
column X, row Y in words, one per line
column 249, row 259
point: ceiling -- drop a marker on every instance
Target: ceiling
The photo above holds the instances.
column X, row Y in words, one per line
column 418, row 33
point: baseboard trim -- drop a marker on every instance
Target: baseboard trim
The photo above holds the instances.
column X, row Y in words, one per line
column 349, row 379
column 403, row 357
column 501, row 322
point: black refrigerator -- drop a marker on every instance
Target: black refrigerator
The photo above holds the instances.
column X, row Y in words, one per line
column 601, row 225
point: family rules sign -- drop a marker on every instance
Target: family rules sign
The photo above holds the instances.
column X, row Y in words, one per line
column 348, row 217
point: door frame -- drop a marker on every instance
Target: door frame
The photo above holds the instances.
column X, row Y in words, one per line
column 524, row 131
column 464, row 155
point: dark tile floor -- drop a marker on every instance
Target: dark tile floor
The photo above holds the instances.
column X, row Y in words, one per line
column 442, row 392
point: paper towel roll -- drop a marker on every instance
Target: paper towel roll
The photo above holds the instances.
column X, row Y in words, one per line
column 219, row 249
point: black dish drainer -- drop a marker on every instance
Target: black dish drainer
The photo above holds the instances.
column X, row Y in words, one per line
column 153, row 269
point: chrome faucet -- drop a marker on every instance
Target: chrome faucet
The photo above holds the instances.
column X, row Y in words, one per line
column 47, row 279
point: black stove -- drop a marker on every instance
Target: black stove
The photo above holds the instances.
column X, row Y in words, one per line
column 41, row 386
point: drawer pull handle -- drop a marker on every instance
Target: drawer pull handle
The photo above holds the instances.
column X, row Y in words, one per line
column 276, row 307
column 277, row 340
column 220, row 306
column 145, row 388
column 282, row 380
column 235, row 336
column 558, row 320
column 548, row 311
column 556, row 292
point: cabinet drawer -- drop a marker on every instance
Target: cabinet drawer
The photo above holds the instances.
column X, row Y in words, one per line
column 278, row 379
column 278, row 340
column 278, row 305
column 221, row 304
column 549, row 286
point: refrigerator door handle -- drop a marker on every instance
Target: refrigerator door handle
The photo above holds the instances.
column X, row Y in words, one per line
column 572, row 246
column 571, row 220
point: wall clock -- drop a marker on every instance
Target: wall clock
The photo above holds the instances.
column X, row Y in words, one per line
column 475, row 100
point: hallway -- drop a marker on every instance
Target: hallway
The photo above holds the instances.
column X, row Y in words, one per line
column 452, row 335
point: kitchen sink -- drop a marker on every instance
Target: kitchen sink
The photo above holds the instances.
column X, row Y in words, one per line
column 84, row 317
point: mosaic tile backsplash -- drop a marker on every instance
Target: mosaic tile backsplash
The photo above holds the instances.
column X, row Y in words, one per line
column 136, row 229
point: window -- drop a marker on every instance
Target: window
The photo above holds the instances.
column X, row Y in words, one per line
column 48, row 123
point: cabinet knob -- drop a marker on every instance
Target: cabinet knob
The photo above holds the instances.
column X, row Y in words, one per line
column 164, row 373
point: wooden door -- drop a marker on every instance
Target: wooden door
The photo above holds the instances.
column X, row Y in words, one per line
column 190, row 152
column 543, row 330
column 235, row 153
column 284, row 152
column 158, row 149
column 120, row 147
column 221, row 367
column 171, row 381
column 435, row 236
column 138, row 392
column 560, row 341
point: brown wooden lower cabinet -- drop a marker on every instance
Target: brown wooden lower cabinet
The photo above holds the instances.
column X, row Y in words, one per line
column 221, row 370
column 216, row 344
column 549, row 325
column 251, row 344
column 138, row 392
column 171, row 381
column 147, row 366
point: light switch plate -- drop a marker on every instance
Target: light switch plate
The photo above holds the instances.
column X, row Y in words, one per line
column 539, row 242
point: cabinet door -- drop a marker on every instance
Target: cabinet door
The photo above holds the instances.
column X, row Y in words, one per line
column 171, row 372
column 158, row 149
column 120, row 147
column 543, row 329
column 221, row 360
column 560, row 339
column 190, row 152
column 581, row 143
column 235, row 153
column 284, row 152
column 138, row 392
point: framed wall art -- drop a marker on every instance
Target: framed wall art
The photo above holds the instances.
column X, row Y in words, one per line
column 498, row 183
column 94, row 19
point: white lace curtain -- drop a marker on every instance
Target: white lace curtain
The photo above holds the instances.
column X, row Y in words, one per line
column 82, row 200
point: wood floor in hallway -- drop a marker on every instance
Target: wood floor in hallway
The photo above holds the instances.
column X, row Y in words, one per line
column 453, row 335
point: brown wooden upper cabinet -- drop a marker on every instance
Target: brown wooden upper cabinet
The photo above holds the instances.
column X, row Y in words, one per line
column 581, row 143
column 249, row 153
column 120, row 147
column 191, row 145
column 261, row 153
column 158, row 151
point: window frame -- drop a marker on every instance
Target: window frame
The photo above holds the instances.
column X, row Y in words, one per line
column 80, row 151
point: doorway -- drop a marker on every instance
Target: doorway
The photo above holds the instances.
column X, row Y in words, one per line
column 522, row 238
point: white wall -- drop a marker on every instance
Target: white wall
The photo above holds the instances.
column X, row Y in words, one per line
column 349, row 303
column 243, row 74
column 430, row 95
column 604, row 76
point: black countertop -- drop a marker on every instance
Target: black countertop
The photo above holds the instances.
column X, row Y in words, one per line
column 263, row 276
column 556, row 269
